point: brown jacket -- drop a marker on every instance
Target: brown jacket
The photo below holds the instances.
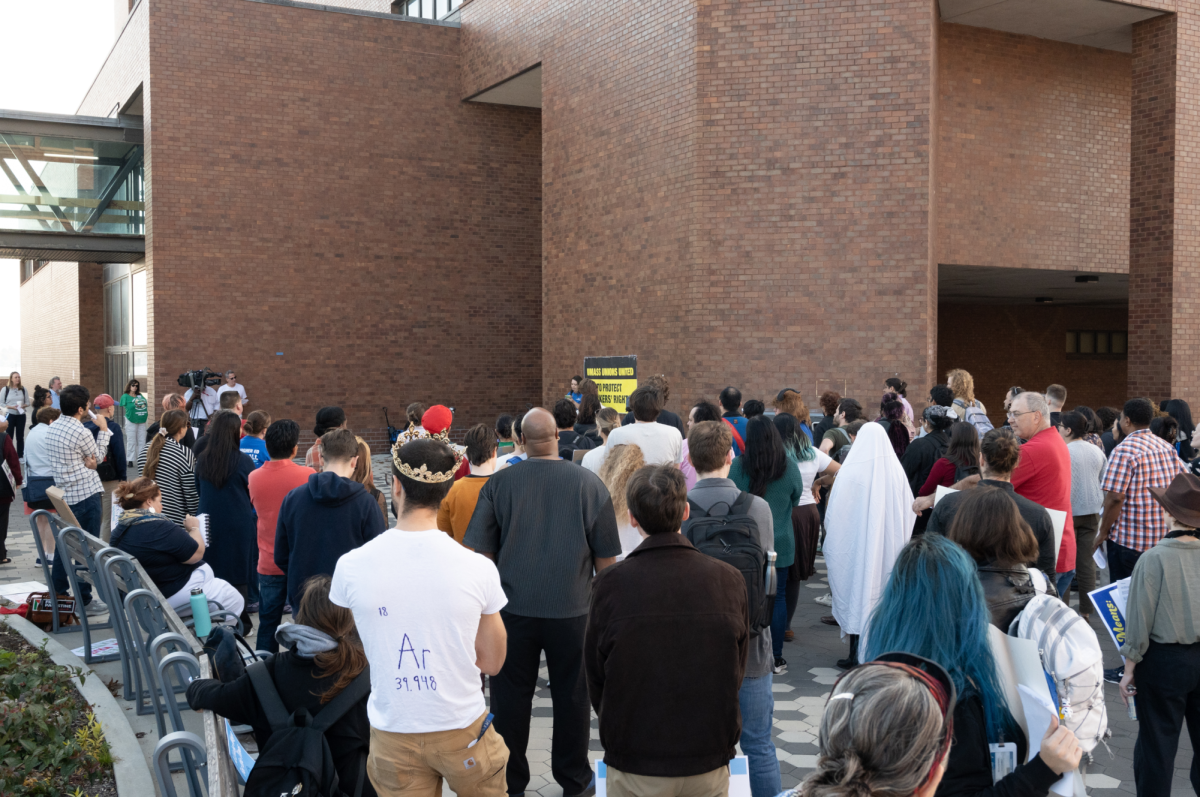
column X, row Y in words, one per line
column 665, row 651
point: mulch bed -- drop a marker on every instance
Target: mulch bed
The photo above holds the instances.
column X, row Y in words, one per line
column 104, row 785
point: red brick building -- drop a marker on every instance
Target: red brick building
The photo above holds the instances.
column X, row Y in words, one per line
column 358, row 207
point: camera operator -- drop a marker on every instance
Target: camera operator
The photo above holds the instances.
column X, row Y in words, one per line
column 202, row 404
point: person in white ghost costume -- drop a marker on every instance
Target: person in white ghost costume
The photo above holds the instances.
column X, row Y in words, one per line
column 868, row 521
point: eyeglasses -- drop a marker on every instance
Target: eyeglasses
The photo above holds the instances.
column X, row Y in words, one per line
column 1012, row 416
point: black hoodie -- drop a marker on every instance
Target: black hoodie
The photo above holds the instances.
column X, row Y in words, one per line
column 318, row 522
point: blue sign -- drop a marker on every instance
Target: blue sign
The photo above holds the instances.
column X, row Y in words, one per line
column 241, row 759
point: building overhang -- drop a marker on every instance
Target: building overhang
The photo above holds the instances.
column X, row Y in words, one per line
column 1093, row 23
column 960, row 284
column 22, row 245
column 70, row 183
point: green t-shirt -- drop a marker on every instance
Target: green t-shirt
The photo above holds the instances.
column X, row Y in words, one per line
column 136, row 408
column 782, row 495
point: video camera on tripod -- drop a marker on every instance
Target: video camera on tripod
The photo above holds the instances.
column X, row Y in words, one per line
column 203, row 377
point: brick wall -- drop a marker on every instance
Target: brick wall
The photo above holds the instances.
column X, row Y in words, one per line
column 732, row 191
column 1033, row 158
column 319, row 190
column 1152, row 205
column 1006, row 345
column 62, row 326
column 812, row 258
column 50, row 325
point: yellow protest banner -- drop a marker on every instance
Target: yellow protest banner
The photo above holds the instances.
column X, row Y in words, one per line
column 615, row 376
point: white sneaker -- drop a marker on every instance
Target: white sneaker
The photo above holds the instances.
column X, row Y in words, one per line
column 96, row 607
column 825, row 600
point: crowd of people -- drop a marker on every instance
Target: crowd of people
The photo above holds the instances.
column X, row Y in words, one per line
column 656, row 563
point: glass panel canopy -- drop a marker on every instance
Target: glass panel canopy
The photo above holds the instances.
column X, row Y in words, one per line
column 71, row 185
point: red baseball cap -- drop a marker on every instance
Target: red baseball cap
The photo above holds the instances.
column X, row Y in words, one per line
column 103, row 401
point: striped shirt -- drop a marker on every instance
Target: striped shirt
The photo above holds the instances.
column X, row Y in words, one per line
column 1141, row 461
column 68, row 444
column 176, row 478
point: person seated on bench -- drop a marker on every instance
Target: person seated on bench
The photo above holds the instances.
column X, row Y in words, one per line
column 172, row 556
column 321, row 655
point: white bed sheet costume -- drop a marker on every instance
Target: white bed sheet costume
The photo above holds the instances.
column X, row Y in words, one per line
column 868, row 520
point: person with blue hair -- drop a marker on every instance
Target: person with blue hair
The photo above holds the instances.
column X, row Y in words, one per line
column 934, row 607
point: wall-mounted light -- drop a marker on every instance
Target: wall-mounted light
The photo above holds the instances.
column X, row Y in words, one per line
column 1088, row 278
column 1044, row 299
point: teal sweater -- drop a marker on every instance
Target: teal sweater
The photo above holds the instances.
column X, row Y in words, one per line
column 782, row 495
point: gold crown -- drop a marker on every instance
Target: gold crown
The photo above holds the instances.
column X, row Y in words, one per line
column 423, row 473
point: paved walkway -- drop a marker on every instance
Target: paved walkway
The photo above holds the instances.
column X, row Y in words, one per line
column 799, row 694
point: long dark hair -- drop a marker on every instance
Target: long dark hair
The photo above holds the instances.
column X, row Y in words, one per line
column 219, row 459
column 963, row 449
column 891, row 414
column 794, row 439
column 348, row 659
column 1182, row 413
column 765, row 458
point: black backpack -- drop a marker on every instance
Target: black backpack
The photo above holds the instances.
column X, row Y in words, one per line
column 732, row 537
column 296, row 759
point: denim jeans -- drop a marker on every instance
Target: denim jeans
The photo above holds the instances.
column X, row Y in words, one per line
column 88, row 512
column 1062, row 582
column 779, row 618
column 273, row 594
column 253, row 593
column 758, row 708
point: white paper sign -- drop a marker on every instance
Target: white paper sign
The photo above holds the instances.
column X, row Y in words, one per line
column 19, row 593
column 115, row 512
column 101, row 648
column 1019, row 668
column 1058, row 519
column 941, row 493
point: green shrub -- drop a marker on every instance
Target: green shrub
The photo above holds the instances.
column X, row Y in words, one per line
column 46, row 747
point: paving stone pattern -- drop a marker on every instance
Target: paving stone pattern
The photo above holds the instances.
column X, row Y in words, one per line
column 800, row 693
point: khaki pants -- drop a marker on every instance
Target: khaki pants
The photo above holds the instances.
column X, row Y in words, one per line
column 415, row 763
column 710, row 784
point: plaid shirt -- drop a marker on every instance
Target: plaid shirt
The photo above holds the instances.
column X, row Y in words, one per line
column 1141, row 461
column 68, row 444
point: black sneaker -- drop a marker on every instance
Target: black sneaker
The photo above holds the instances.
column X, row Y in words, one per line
column 1114, row 675
column 780, row 666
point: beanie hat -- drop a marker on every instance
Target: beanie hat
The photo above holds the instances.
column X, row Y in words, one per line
column 437, row 419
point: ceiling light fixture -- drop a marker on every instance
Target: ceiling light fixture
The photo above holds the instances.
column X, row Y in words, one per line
column 69, row 157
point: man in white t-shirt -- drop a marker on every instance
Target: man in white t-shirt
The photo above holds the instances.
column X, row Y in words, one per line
column 427, row 611
column 660, row 444
column 231, row 383
column 204, row 407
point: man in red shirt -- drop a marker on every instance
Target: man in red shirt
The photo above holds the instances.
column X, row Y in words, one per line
column 1044, row 472
column 269, row 485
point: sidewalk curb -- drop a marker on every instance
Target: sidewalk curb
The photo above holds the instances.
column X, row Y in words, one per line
column 130, row 769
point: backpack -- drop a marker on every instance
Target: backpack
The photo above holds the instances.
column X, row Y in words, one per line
column 296, row 759
column 976, row 417
column 732, row 537
column 1072, row 659
column 107, row 470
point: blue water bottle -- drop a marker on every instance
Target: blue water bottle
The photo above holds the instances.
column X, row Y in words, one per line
column 203, row 626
